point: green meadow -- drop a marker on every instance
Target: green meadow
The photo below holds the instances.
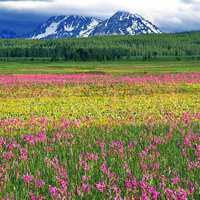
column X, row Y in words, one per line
column 112, row 67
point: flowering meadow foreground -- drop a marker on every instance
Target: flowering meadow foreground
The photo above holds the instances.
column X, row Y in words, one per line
column 89, row 136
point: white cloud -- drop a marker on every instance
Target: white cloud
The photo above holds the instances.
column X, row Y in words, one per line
column 176, row 14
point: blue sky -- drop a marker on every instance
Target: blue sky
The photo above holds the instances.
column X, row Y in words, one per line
column 169, row 15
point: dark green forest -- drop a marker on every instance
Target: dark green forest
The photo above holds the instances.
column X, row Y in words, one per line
column 105, row 48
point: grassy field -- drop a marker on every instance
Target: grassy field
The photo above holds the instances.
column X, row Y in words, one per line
column 100, row 130
column 116, row 68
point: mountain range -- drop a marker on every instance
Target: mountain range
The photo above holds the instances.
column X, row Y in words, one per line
column 75, row 26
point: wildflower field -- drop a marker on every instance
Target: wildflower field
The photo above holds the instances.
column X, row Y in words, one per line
column 100, row 136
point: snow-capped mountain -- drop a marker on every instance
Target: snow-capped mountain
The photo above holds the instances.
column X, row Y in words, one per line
column 66, row 27
column 125, row 23
column 121, row 23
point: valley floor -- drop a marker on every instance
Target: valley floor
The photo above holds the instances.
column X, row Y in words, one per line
column 118, row 130
column 112, row 67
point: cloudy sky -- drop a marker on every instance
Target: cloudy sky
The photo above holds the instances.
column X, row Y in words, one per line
column 169, row 15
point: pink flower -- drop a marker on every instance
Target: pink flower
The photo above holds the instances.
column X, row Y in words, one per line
column 186, row 118
column 30, row 139
column 84, row 165
column 63, row 183
column 131, row 145
column 175, row 180
column 91, row 156
column 41, row 137
column 111, row 175
column 39, row 183
column 144, row 196
column 34, row 197
column 100, row 186
column 169, row 193
column 85, row 188
column 154, row 194
column 128, row 184
column 117, row 147
column 104, row 168
column 181, row 194
column 53, row 191
column 191, row 188
column 11, row 146
column 143, row 184
column 7, row 155
column 198, row 147
column 23, row 154
column 27, row 178
column 131, row 183
column 197, row 153
column 84, row 178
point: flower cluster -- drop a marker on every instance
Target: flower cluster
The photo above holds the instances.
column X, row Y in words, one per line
column 90, row 136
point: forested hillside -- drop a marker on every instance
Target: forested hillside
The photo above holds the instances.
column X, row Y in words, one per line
column 144, row 47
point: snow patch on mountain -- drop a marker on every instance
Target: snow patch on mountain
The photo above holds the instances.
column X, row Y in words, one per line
column 89, row 29
column 50, row 30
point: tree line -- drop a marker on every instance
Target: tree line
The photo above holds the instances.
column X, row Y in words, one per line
column 103, row 48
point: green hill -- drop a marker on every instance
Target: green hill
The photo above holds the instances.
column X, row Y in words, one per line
column 143, row 47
